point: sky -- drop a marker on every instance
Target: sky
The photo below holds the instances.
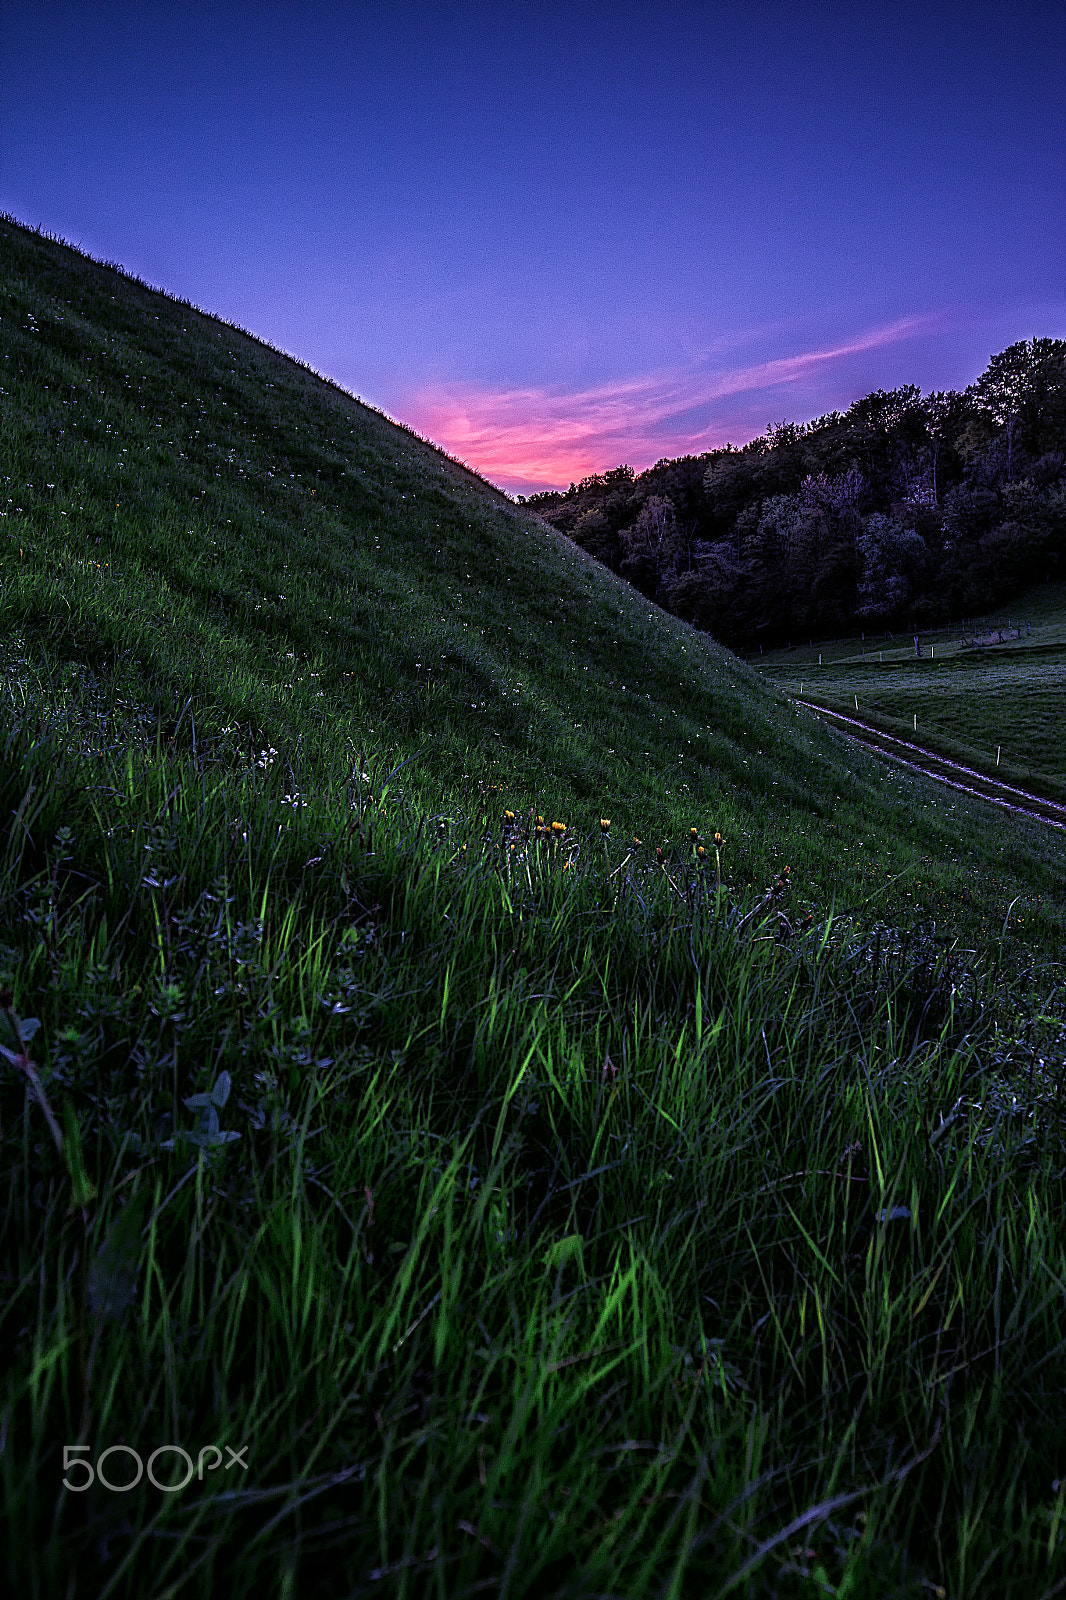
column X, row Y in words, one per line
column 556, row 238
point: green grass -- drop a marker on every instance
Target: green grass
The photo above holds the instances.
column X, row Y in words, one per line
column 535, row 1227
column 998, row 707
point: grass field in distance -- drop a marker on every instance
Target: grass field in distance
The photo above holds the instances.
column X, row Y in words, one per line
column 990, row 689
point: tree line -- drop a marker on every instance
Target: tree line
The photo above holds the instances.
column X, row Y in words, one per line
column 904, row 510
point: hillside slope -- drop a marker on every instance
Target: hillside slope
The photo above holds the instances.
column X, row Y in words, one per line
column 195, row 520
column 535, row 1210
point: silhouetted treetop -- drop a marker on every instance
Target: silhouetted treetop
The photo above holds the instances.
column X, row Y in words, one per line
column 907, row 508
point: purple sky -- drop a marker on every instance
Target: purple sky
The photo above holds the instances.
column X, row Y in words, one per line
column 555, row 238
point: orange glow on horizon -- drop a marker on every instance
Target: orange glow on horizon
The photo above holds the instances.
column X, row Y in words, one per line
column 539, row 438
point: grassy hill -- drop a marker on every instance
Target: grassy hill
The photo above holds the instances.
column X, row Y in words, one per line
column 474, row 1043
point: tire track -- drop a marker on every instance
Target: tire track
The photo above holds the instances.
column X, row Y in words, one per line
column 943, row 770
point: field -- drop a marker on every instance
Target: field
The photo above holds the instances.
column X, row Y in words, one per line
column 517, row 1105
column 998, row 706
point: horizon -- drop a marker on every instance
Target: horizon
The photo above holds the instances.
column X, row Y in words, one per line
column 653, row 236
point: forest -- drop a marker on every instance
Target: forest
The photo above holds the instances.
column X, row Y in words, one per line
column 905, row 510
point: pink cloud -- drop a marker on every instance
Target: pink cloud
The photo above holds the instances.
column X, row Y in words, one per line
column 531, row 438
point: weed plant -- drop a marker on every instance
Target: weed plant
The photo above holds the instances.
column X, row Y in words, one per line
column 491, row 1191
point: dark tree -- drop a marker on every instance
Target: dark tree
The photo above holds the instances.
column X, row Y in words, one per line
column 1023, row 390
column 901, row 507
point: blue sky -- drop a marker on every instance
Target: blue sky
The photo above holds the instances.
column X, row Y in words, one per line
column 556, row 238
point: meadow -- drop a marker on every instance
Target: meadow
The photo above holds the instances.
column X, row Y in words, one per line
column 988, row 691
column 495, row 1099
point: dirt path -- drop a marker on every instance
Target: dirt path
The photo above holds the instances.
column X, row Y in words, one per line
column 945, row 771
